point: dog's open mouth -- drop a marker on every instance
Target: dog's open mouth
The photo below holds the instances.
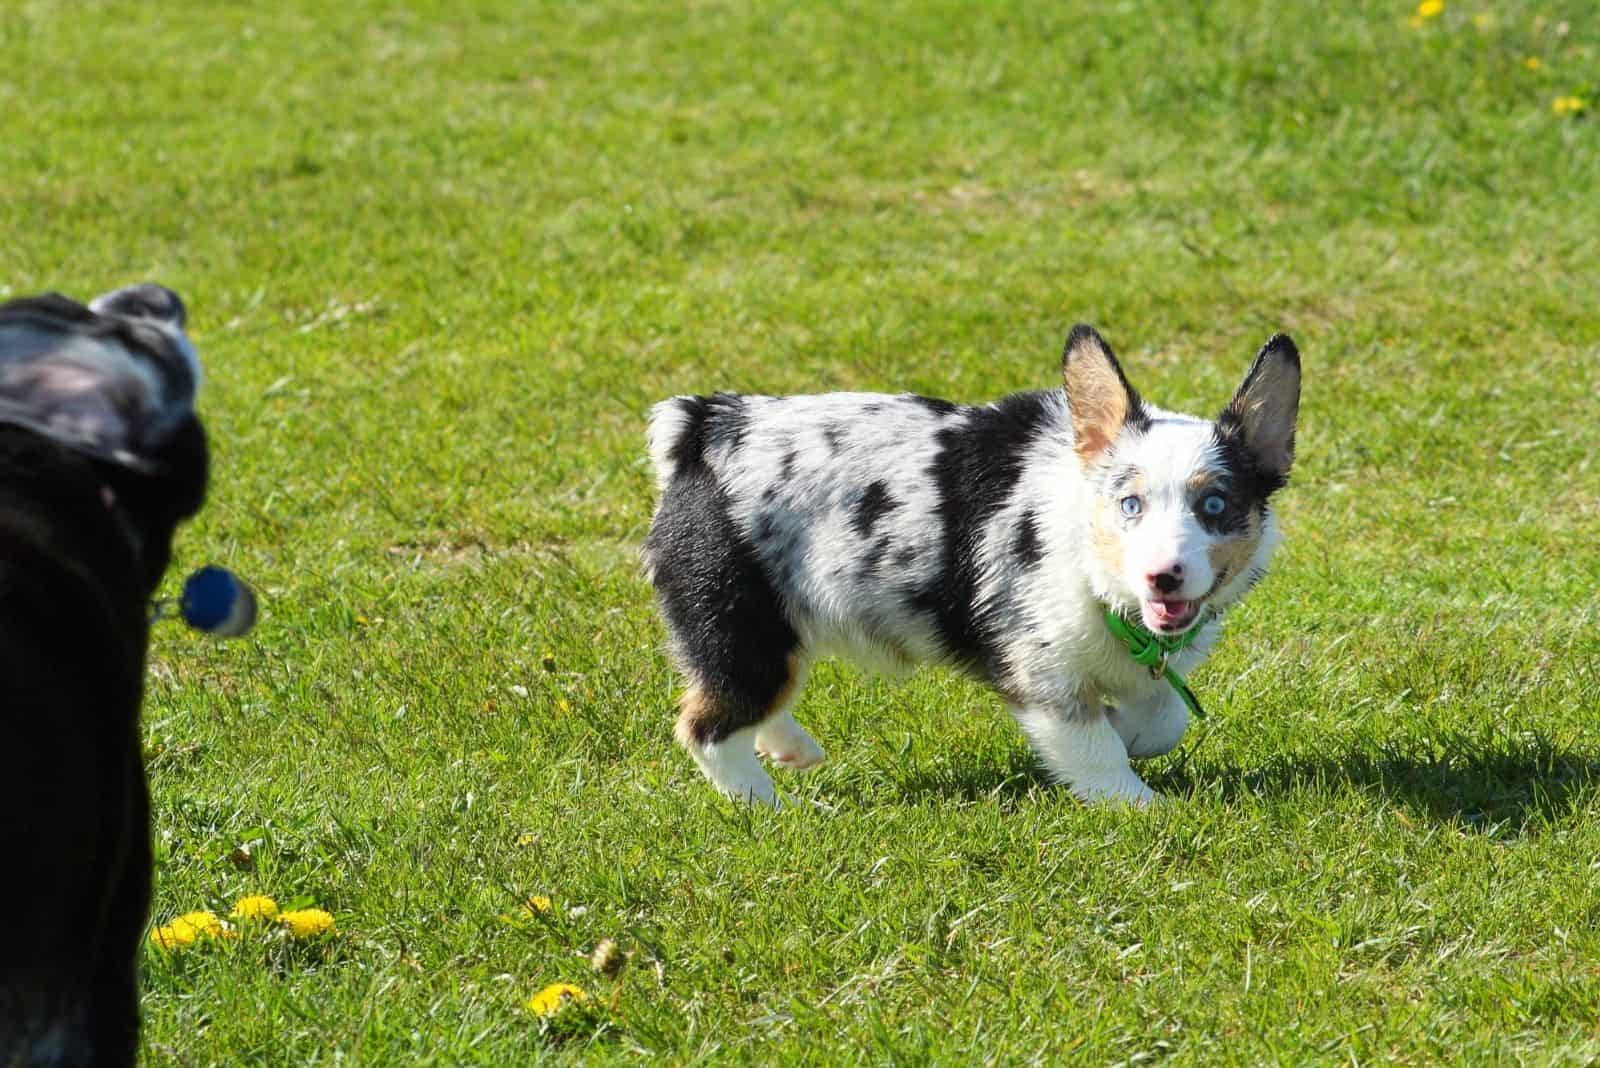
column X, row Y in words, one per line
column 1169, row 615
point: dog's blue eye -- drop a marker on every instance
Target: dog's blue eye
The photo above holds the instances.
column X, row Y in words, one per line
column 1214, row 505
column 1132, row 506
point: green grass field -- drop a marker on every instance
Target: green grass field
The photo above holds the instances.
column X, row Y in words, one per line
column 439, row 261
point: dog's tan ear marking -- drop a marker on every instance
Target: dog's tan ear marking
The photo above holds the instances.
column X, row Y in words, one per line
column 1265, row 408
column 1099, row 397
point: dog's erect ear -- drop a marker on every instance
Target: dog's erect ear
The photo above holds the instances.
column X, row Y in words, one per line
column 115, row 380
column 143, row 301
column 146, row 307
column 1263, row 411
column 1099, row 397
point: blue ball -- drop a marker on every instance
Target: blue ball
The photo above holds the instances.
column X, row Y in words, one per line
column 215, row 601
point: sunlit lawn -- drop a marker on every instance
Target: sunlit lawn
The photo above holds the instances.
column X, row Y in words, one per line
column 440, row 260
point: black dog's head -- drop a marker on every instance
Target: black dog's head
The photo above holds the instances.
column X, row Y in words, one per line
column 101, row 456
column 113, row 382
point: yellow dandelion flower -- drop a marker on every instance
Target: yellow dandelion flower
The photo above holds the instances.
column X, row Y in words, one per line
column 188, row 929
column 173, row 936
column 254, row 907
column 204, row 922
column 1430, row 9
column 537, row 903
column 1533, row 63
column 1568, row 105
column 553, row 998
column 307, row 923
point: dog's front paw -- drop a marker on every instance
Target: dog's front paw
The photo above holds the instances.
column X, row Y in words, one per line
column 1151, row 728
column 796, row 760
column 785, row 743
column 1130, row 792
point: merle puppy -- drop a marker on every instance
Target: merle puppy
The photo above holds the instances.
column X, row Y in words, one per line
column 101, row 456
column 1007, row 538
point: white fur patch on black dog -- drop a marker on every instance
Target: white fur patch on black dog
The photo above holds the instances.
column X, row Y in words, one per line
column 900, row 529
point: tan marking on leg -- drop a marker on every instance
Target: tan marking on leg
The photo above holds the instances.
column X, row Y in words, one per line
column 697, row 713
column 699, row 710
column 786, row 694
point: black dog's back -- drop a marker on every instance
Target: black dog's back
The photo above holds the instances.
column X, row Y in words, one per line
column 73, row 808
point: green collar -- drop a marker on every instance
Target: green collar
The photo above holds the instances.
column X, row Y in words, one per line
column 1153, row 651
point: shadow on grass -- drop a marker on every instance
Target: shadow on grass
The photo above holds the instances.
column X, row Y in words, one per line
column 1477, row 784
column 1481, row 786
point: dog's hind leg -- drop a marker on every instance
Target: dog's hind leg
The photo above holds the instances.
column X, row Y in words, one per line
column 1083, row 751
column 726, row 756
column 730, row 631
column 728, row 733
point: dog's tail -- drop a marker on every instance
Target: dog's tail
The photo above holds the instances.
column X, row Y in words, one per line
column 671, row 422
column 684, row 431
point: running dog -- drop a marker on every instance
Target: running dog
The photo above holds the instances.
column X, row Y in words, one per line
column 902, row 529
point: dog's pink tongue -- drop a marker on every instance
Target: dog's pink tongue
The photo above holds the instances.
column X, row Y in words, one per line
column 1168, row 611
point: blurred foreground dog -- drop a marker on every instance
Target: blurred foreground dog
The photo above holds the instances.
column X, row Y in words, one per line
column 1006, row 538
column 101, row 455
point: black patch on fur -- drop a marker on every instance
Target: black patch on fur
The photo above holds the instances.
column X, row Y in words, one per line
column 1026, row 545
column 789, row 459
column 833, row 434
column 874, row 557
column 718, row 420
column 873, row 504
column 975, row 472
column 1234, row 519
column 724, row 613
column 938, row 407
column 1250, row 483
column 766, row 528
column 1122, row 478
column 905, row 556
column 871, row 409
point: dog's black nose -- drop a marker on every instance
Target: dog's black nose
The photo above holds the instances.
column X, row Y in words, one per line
column 1167, row 581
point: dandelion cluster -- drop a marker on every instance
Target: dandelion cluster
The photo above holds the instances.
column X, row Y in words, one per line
column 1574, row 104
column 253, row 911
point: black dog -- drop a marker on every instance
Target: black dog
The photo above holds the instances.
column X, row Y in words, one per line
column 101, row 456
